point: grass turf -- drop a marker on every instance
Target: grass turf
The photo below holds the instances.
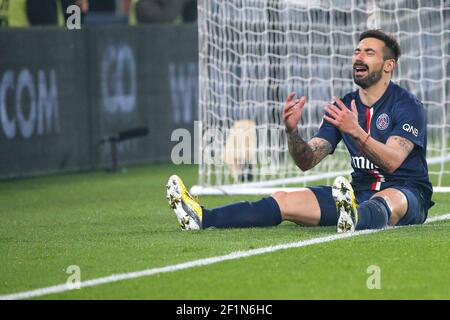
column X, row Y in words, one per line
column 114, row 223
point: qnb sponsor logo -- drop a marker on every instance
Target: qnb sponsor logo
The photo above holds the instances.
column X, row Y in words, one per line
column 28, row 105
column 363, row 163
column 409, row 128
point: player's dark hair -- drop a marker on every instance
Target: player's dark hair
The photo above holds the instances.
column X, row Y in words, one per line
column 391, row 49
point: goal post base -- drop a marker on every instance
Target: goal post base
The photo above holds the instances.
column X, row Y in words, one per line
column 240, row 191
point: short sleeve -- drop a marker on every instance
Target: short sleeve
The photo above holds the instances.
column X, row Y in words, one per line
column 410, row 122
column 330, row 133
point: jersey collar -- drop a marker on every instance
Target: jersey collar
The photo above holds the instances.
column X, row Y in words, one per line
column 380, row 101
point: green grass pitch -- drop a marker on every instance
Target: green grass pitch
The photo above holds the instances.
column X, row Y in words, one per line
column 117, row 223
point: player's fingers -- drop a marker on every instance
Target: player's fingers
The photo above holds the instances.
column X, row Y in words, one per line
column 332, row 110
column 287, row 116
column 330, row 120
column 291, row 96
column 335, row 108
column 292, row 111
column 302, row 102
column 353, row 103
column 340, row 104
column 290, row 105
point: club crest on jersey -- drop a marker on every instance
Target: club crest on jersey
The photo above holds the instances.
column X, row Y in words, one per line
column 382, row 121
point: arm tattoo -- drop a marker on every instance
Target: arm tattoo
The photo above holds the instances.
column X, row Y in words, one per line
column 321, row 148
column 405, row 145
column 307, row 154
column 375, row 158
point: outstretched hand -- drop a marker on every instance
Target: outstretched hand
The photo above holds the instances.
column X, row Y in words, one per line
column 292, row 111
column 342, row 118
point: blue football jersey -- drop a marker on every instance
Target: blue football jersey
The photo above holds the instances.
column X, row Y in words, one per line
column 397, row 113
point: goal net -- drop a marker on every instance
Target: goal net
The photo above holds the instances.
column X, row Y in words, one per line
column 253, row 53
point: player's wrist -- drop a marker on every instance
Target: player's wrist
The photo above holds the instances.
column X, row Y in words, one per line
column 291, row 131
column 359, row 135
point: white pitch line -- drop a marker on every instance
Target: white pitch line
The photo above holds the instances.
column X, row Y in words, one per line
column 197, row 263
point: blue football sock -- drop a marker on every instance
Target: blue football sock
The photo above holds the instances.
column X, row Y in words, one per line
column 262, row 213
column 373, row 214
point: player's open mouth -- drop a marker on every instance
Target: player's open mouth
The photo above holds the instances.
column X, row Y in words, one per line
column 360, row 70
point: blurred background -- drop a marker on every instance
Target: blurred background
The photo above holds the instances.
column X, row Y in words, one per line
column 23, row 13
column 102, row 86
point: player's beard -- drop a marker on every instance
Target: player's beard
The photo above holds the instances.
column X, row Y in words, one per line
column 370, row 79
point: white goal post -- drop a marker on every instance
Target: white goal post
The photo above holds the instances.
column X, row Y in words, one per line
column 252, row 53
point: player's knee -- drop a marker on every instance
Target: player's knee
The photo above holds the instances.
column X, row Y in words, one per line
column 279, row 197
column 383, row 196
column 395, row 204
column 395, row 200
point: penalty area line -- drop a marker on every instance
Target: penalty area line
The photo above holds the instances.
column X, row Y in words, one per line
column 198, row 263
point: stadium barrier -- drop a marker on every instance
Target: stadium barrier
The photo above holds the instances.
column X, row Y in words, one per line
column 64, row 92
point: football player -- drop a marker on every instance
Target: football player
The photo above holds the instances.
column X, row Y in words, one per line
column 384, row 129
